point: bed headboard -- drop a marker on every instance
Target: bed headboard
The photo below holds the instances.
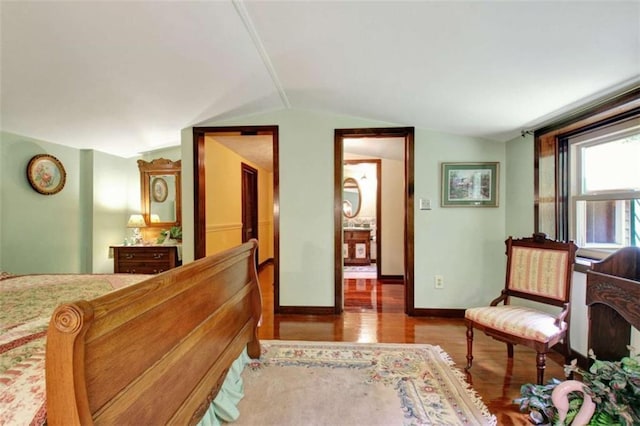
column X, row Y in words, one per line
column 155, row 352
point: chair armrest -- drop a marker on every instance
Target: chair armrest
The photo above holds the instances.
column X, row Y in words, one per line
column 560, row 318
column 503, row 296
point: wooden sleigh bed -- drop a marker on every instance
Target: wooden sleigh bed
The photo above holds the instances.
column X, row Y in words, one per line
column 154, row 352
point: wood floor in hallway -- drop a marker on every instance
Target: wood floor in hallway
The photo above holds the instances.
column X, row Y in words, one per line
column 374, row 312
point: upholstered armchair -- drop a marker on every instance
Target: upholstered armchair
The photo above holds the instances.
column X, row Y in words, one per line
column 539, row 270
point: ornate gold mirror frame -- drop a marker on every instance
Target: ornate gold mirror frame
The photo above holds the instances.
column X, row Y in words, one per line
column 160, row 193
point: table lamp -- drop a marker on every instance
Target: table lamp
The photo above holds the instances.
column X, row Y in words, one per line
column 136, row 221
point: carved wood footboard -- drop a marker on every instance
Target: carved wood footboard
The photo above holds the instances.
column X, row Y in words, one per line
column 158, row 351
column 613, row 290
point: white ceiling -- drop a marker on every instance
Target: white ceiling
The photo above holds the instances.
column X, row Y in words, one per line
column 125, row 77
column 258, row 149
column 387, row 148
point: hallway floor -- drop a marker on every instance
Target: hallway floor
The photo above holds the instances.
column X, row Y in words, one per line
column 371, row 295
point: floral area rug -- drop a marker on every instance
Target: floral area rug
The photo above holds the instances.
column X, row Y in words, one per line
column 336, row 383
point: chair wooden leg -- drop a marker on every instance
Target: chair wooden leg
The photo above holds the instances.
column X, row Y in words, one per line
column 469, row 345
column 566, row 350
column 510, row 350
column 541, row 361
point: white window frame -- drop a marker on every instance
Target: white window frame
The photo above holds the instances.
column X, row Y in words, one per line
column 577, row 192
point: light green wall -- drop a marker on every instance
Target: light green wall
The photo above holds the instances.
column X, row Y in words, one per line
column 41, row 233
column 68, row 232
column 116, row 195
column 47, row 234
column 465, row 245
column 519, row 191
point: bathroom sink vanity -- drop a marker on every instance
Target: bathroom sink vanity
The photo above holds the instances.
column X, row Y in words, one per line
column 357, row 246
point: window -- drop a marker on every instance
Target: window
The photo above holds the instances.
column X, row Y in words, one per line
column 587, row 176
column 605, row 189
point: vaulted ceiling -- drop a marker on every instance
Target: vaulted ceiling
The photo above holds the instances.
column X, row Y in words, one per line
column 126, row 77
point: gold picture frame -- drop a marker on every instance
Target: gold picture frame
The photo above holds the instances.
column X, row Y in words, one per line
column 46, row 174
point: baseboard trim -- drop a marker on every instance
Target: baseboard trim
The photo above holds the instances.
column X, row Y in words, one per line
column 442, row 313
column 265, row 263
column 307, row 310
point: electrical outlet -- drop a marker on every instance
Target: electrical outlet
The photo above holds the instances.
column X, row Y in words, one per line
column 438, row 281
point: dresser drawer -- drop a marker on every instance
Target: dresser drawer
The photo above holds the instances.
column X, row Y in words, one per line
column 142, row 268
column 143, row 254
column 144, row 259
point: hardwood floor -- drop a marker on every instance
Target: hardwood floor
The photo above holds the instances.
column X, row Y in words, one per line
column 374, row 313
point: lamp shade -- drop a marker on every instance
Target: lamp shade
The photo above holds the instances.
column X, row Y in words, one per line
column 155, row 218
column 136, row 221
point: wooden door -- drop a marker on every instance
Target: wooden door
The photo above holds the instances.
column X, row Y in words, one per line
column 249, row 203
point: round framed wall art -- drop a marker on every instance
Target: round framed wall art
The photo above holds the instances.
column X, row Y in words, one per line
column 159, row 189
column 46, row 174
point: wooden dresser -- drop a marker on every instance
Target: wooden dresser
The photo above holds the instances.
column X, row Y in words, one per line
column 144, row 259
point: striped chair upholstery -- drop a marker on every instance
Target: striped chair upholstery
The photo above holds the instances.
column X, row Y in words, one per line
column 525, row 323
column 538, row 269
column 539, row 272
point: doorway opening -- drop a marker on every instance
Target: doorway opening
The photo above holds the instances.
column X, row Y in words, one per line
column 353, row 246
column 236, row 192
column 362, row 215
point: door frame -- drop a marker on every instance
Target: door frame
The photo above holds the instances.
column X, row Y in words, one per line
column 407, row 133
column 199, row 189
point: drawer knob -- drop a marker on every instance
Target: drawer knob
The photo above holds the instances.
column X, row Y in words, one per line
column 129, row 255
column 158, row 255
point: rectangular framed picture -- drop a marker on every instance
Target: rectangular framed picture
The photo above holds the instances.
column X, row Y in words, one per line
column 470, row 184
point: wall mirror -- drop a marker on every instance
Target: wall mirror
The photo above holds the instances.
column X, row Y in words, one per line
column 160, row 192
column 351, row 198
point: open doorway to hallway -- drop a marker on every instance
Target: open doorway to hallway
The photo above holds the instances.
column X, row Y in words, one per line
column 374, row 221
column 236, row 177
column 373, row 275
column 361, row 202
